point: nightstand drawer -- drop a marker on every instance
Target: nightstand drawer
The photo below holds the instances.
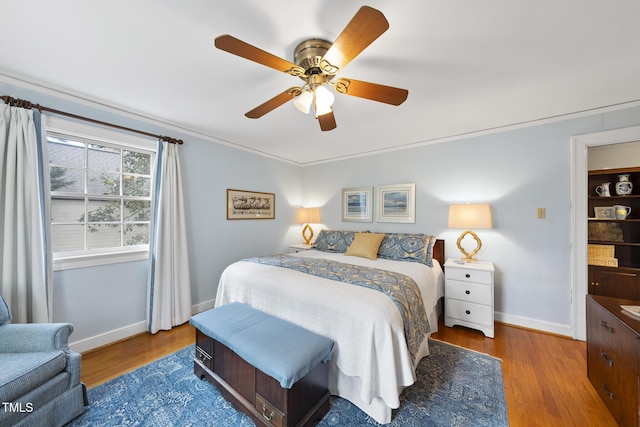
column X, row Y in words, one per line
column 471, row 292
column 469, row 312
column 470, row 275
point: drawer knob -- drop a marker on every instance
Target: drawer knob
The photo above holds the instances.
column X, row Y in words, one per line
column 268, row 417
column 467, row 292
column 467, row 275
column 468, row 311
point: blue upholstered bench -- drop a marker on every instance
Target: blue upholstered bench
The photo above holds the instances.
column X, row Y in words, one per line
column 271, row 369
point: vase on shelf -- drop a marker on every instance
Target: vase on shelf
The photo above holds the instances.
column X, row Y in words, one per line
column 624, row 186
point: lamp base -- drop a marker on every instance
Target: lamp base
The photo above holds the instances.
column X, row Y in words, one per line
column 307, row 230
column 468, row 257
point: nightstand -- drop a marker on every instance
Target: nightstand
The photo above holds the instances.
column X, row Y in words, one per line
column 468, row 295
column 299, row 247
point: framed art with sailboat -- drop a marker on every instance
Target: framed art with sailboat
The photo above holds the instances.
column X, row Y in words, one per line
column 243, row 204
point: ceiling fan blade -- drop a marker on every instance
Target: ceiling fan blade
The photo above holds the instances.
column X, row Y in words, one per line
column 327, row 121
column 245, row 50
column 375, row 92
column 366, row 26
column 274, row 103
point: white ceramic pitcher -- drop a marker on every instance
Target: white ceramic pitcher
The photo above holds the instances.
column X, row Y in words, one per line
column 622, row 212
column 603, row 189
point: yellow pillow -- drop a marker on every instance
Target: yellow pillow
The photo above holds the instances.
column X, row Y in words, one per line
column 365, row 245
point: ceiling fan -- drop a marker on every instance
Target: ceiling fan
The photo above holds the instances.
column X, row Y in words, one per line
column 317, row 61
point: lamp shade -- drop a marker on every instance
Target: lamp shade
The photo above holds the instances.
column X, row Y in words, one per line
column 324, row 100
column 304, row 101
column 470, row 215
column 308, row 215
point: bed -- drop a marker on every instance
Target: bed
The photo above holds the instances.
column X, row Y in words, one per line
column 379, row 336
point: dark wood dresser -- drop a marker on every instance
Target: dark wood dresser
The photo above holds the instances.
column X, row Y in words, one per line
column 613, row 356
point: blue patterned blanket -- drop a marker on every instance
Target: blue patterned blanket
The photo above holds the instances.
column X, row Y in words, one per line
column 402, row 290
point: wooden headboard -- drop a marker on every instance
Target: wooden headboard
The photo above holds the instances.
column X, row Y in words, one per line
column 438, row 251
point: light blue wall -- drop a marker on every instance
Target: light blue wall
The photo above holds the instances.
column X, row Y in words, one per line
column 516, row 171
column 103, row 299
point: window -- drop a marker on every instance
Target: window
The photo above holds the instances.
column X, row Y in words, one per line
column 101, row 194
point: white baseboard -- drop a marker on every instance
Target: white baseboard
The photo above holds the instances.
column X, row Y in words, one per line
column 539, row 325
column 137, row 328
column 203, row 306
column 109, row 337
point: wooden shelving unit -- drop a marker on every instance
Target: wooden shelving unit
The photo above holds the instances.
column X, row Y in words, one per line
column 622, row 281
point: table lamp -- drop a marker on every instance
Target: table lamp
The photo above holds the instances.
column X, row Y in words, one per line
column 307, row 216
column 468, row 216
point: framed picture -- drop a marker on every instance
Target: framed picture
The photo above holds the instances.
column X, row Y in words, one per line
column 250, row 205
column 396, row 203
column 605, row 212
column 357, row 204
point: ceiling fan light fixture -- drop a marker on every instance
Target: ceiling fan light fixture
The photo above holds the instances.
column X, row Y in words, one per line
column 304, row 101
column 324, row 100
column 317, row 62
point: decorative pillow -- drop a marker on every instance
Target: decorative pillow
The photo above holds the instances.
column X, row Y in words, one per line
column 5, row 314
column 334, row 241
column 407, row 247
column 365, row 245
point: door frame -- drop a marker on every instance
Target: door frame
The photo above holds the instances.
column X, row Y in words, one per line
column 579, row 279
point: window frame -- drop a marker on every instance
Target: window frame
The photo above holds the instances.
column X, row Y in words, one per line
column 101, row 135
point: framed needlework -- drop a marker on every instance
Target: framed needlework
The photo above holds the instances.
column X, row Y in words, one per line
column 243, row 204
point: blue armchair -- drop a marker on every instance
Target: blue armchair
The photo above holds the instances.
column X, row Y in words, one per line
column 39, row 374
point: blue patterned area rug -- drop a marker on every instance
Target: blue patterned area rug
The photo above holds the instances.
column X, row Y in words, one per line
column 455, row 387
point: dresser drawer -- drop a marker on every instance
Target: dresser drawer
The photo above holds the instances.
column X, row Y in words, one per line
column 469, row 312
column 471, row 292
column 470, row 275
column 616, row 335
column 615, row 383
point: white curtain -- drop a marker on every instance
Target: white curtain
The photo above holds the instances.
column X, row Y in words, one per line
column 169, row 290
column 25, row 273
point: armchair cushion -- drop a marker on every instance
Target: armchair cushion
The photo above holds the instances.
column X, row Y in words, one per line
column 23, row 372
column 5, row 314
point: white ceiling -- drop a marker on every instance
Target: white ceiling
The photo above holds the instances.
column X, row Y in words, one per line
column 469, row 65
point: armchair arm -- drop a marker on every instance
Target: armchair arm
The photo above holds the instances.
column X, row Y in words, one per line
column 28, row 337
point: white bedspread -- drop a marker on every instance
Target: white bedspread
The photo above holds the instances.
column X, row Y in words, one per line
column 365, row 324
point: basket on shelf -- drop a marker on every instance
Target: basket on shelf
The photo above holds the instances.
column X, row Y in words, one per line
column 606, row 251
column 603, row 261
column 602, row 255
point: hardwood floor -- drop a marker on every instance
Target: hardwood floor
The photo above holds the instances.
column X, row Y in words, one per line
column 545, row 376
column 108, row 362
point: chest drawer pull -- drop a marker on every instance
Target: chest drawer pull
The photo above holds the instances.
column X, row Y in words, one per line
column 606, row 358
column 468, row 311
column 605, row 325
column 468, row 292
column 605, row 386
column 264, row 413
column 467, row 275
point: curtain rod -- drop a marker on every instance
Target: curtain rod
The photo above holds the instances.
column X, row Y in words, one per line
column 14, row 102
